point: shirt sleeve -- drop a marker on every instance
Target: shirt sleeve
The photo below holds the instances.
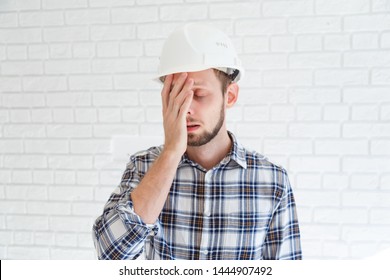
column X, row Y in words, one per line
column 283, row 239
column 119, row 233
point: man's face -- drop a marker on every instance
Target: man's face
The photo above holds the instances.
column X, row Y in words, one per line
column 206, row 115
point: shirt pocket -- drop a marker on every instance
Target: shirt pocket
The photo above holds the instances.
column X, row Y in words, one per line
column 245, row 234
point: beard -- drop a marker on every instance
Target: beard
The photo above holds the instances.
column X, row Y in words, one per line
column 200, row 140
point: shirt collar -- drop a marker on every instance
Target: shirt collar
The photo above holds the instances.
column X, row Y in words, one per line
column 237, row 154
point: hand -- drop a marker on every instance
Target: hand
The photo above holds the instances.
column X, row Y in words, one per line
column 176, row 101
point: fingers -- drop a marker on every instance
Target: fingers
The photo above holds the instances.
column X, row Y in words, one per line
column 166, row 90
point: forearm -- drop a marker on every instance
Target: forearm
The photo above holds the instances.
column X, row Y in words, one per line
column 150, row 195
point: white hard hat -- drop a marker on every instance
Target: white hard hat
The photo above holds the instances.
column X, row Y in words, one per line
column 196, row 47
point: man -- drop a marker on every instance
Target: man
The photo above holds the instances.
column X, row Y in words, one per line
column 201, row 195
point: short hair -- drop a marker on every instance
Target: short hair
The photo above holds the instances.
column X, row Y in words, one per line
column 224, row 78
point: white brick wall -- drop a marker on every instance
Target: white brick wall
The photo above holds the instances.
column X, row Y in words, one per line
column 77, row 98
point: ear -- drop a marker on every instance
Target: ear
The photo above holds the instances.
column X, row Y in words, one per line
column 231, row 95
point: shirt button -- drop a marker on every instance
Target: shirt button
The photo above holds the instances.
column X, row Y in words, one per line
column 207, row 213
column 205, row 252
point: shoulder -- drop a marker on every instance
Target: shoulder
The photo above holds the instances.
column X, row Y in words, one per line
column 145, row 155
column 257, row 160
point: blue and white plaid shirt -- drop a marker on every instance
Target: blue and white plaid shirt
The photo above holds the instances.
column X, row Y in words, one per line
column 243, row 208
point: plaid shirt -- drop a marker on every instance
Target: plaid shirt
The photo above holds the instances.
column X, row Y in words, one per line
column 243, row 208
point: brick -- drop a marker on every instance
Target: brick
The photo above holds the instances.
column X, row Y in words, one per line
column 287, row 8
column 54, row 67
column 380, row 216
column 111, row 3
column 255, row 113
column 43, row 177
column 380, row 5
column 288, row 78
column 63, row 115
column 266, row 61
column 365, row 41
column 341, row 147
column 103, row 130
column 314, row 95
column 335, row 249
column 309, row 42
column 337, row 181
column 155, row 30
column 364, row 164
column 22, row 176
column 70, row 224
column 336, row 112
column 45, row 207
column 308, row 113
column 25, row 161
column 314, row 164
column 66, row 34
column 381, row 76
column 20, row 5
column 10, row 84
column 380, row 147
column 341, row 7
column 117, row 98
column 70, row 162
column 115, row 65
column 8, row 20
column 69, row 193
column 20, row 116
column 83, row 50
column 13, row 207
column 112, row 32
column 341, row 216
column 33, row 253
column 58, row 4
column 135, row 81
column 308, row 181
column 321, row 232
column 85, row 115
column 17, row 222
column 373, row 22
column 258, row 44
column 44, row 83
column 366, row 95
column 314, row 25
column 314, row 130
column 87, row 178
column 46, row 146
column 64, row 177
column 385, row 112
column 72, row 254
column 23, row 100
column 337, row 42
column 69, row 99
column 134, row 48
column 234, row 10
column 282, row 113
column 109, row 115
column 20, row 36
column 364, row 129
column 24, row 130
column 261, row 27
column 364, row 181
column 365, row 233
column 341, row 77
column 365, row 113
column 60, row 50
column 68, row 131
column 37, row 19
column 316, row 61
column 135, row 14
column 261, row 130
column 281, row 44
column 11, row 146
column 135, row 115
column 90, row 82
column 385, row 40
column 38, row 52
column 367, row 59
column 81, row 17
column 28, row 193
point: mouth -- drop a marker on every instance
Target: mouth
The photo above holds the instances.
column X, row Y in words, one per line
column 192, row 127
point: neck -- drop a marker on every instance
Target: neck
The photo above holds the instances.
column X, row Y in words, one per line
column 213, row 152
